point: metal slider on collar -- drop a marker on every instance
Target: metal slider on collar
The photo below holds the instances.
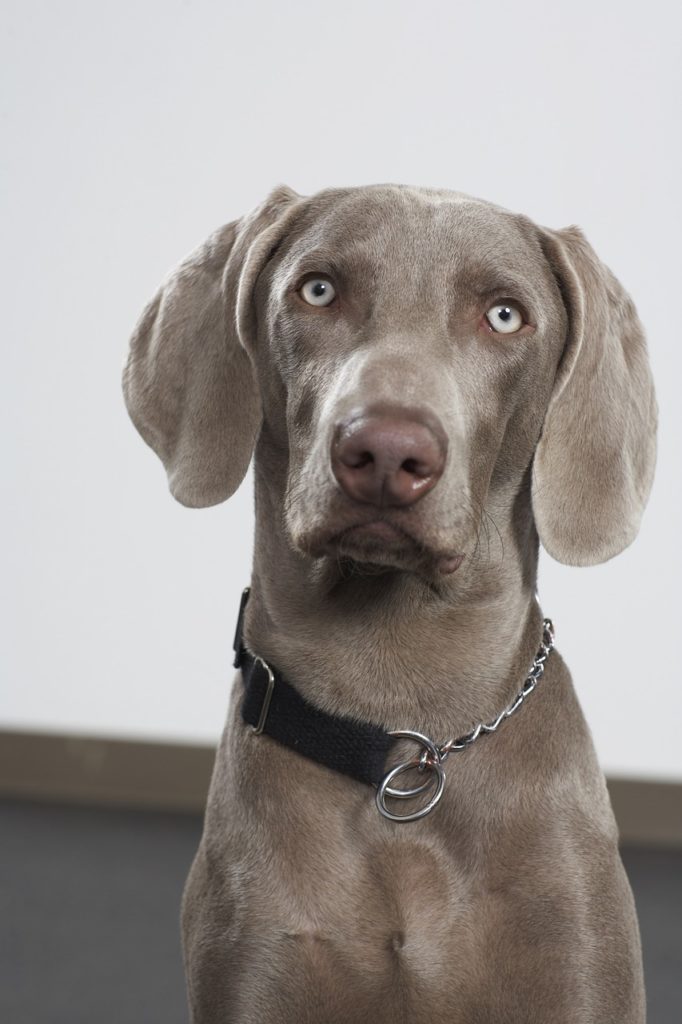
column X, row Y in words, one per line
column 265, row 707
column 238, row 659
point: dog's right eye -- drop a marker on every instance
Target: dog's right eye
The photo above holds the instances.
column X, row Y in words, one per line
column 318, row 291
column 504, row 318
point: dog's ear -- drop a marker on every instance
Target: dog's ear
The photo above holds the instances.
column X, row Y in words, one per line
column 188, row 381
column 594, row 463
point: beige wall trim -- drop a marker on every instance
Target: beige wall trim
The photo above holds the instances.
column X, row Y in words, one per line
column 101, row 771
column 174, row 776
column 647, row 811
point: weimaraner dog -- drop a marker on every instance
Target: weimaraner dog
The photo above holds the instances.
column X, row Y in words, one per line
column 430, row 384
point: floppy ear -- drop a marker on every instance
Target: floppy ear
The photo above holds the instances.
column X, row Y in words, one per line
column 594, row 462
column 188, row 382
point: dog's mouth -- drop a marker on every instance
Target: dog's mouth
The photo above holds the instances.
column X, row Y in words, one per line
column 382, row 543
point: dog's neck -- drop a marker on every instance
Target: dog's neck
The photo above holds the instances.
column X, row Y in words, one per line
column 392, row 647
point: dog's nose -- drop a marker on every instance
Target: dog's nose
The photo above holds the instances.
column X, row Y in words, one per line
column 388, row 458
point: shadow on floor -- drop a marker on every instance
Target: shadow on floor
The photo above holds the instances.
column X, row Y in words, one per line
column 89, row 906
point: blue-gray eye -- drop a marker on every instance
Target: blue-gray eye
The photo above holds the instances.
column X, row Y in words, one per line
column 318, row 291
column 505, row 319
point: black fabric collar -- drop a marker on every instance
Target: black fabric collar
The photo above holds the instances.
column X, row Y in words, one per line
column 274, row 707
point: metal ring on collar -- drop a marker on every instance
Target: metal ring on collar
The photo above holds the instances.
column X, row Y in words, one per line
column 423, row 811
column 430, row 748
column 433, row 765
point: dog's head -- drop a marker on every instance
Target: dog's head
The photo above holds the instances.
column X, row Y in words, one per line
column 411, row 359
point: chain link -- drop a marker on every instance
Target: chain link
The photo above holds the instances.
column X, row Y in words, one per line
column 434, row 756
column 531, row 681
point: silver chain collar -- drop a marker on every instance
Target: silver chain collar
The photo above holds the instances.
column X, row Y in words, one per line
column 434, row 756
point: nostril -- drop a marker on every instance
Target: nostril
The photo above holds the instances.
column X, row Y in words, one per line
column 412, row 466
column 361, row 460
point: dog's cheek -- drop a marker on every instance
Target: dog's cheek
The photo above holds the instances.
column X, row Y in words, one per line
column 310, row 486
column 307, row 505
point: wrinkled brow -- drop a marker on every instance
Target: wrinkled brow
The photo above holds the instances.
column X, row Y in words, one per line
column 493, row 283
column 340, row 266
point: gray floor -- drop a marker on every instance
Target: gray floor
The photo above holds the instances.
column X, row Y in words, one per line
column 89, row 906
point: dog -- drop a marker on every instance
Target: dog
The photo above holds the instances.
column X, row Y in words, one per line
column 431, row 384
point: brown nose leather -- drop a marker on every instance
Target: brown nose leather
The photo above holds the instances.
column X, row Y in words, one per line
column 388, row 458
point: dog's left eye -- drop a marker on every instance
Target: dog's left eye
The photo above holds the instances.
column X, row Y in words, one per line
column 504, row 319
column 318, row 291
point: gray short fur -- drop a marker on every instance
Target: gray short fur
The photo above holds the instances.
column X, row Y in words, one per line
column 508, row 904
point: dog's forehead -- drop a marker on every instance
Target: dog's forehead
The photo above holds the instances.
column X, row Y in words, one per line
column 403, row 224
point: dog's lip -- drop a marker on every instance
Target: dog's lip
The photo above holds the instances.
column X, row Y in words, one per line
column 388, row 533
column 447, row 564
column 376, row 529
column 380, row 530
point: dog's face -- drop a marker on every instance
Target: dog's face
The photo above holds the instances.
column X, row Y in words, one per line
column 408, row 357
column 406, row 349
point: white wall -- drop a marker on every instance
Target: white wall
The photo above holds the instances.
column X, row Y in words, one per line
column 132, row 130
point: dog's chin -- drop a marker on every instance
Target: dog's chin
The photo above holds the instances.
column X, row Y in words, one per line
column 380, row 546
